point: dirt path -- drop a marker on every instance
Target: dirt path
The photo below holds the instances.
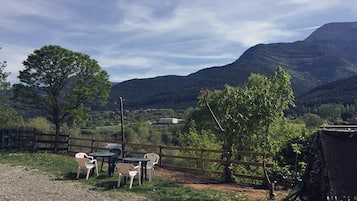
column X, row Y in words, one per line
column 202, row 183
column 21, row 184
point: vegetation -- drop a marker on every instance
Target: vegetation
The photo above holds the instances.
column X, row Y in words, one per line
column 159, row 189
column 247, row 113
column 61, row 84
column 9, row 118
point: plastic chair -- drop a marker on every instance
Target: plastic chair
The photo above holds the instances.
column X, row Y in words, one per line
column 85, row 162
column 127, row 170
column 154, row 159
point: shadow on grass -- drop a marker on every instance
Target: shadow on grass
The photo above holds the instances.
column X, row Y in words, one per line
column 103, row 181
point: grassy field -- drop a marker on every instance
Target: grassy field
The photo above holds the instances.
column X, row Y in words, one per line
column 160, row 189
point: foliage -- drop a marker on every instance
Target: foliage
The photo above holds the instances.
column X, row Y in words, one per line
column 312, row 120
column 41, row 124
column 9, row 118
column 204, row 139
column 61, row 84
column 246, row 113
column 292, row 160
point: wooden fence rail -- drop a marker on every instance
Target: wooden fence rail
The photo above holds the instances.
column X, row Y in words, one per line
column 208, row 162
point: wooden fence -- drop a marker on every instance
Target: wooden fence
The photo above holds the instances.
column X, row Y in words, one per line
column 208, row 162
column 31, row 140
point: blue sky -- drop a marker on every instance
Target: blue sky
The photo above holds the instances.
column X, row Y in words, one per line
column 148, row 38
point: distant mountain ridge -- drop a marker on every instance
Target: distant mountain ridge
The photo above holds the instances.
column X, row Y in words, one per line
column 328, row 54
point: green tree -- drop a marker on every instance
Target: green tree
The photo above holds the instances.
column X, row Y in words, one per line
column 62, row 84
column 246, row 113
column 312, row 120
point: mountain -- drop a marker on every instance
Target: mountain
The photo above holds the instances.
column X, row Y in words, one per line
column 328, row 54
column 341, row 91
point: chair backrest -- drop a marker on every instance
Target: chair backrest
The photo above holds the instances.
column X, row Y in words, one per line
column 154, row 158
column 82, row 162
column 81, row 155
column 124, row 168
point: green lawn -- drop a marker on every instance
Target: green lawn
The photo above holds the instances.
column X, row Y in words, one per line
column 160, row 189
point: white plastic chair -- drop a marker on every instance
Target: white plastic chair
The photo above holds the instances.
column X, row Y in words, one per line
column 127, row 170
column 85, row 162
column 154, row 159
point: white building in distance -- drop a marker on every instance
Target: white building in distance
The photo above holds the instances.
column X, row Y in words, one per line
column 168, row 121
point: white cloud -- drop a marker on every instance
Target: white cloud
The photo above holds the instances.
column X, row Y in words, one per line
column 148, row 38
column 14, row 56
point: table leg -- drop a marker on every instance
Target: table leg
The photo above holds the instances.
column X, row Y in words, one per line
column 110, row 166
column 144, row 167
column 142, row 172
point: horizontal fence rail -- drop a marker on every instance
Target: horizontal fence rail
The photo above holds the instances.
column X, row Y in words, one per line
column 207, row 162
column 32, row 140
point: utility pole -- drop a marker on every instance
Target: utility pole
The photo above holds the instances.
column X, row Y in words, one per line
column 122, row 124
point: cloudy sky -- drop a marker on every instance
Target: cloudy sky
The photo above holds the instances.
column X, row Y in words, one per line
column 148, row 38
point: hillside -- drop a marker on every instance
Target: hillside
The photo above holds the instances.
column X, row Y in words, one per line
column 340, row 92
column 328, row 54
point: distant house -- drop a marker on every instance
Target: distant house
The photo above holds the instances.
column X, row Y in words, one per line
column 168, row 121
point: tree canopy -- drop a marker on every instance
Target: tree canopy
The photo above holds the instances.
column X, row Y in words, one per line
column 245, row 113
column 61, row 84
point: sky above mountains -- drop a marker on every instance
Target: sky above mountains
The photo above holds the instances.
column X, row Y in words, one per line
column 148, row 38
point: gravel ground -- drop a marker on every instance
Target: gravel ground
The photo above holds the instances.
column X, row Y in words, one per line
column 23, row 184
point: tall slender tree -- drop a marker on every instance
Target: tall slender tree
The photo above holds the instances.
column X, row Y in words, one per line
column 61, row 84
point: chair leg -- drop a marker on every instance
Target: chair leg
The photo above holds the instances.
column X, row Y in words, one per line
column 119, row 180
column 131, row 182
column 88, row 172
column 96, row 168
column 78, row 170
column 150, row 174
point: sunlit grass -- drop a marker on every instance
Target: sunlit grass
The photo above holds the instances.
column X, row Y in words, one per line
column 160, row 189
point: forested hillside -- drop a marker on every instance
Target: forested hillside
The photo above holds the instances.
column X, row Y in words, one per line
column 328, row 54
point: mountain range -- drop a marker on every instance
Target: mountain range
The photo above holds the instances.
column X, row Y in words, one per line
column 329, row 54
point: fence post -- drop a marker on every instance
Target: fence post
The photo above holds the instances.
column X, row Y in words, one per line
column 160, row 154
column 92, row 144
column 69, row 143
column 34, row 133
column 202, row 162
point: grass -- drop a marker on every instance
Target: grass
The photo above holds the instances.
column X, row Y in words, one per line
column 64, row 167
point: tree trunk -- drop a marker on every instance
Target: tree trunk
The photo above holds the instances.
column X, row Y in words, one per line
column 228, row 178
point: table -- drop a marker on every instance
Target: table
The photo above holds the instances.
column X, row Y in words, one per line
column 136, row 160
column 103, row 155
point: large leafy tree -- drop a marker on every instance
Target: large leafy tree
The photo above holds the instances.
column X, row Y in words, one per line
column 61, row 84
